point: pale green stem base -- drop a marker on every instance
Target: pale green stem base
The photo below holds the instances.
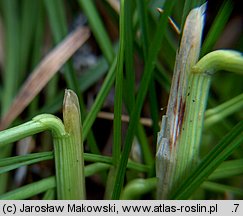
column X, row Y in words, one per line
column 189, row 141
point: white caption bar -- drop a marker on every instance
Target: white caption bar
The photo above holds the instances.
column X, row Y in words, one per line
column 131, row 207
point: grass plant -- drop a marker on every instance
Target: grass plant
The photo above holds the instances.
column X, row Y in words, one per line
column 136, row 45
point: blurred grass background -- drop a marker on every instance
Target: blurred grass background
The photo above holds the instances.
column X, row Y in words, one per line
column 108, row 80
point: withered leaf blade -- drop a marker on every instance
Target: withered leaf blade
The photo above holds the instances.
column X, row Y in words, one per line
column 42, row 74
column 171, row 127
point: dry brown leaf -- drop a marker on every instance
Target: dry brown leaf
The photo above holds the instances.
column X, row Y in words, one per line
column 44, row 72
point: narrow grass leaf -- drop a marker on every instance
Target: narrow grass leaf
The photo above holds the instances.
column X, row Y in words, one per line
column 143, row 23
column 217, row 26
column 23, row 158
column 57, row 18
column 16, row 165
column 11, row 161
column 228, row 169
column 211, row 161
column 29, row 128
column 95, row 168
column 30, row 190
column 97, row 105
column 117, row 132
column 50, row 194
column 27, row 31
column 98, row 29
column 221, row 188
column 11, row 64
column 149, row 67
column 12, row 51
column 143, row 16
column 223, row 110
column 138, row 187
column 118, row 88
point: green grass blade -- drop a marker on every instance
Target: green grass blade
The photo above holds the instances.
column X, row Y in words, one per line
column 154, row 109
column 138, row 187
column 117, row 138
column 30, row 190
column 98, row 29
column 39, row 35
column 219, row 153
column 149, row 67
column 129, row 77
column 107, row 84
column 162, row 77
column 143, row 21
column 49, row 194
column 223, row 110
column 11, row 66
column 95, row 168
column 217, row 27
column 221, row 188
column 105, row 159
column 24, row 158
column 228, row 60
column 36, row 125
column 129, row 81
column 36, row 44
column 145, row 147
column 143, row 16
column 27, row 31
column 7, row 168
column 57, row 18
column 12, row 57
column 10, row 161
column 228, row 169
